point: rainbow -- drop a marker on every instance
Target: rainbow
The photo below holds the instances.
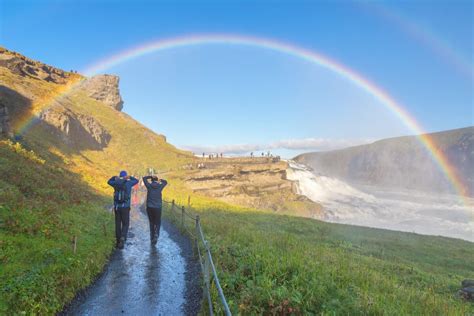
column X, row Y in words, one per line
column 424, row 36
column 304, row 54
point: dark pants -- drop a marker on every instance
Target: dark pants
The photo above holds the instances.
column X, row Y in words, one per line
column 122, row 221
column 154, row 217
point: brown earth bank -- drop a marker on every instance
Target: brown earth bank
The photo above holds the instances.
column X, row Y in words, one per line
column 251, row 182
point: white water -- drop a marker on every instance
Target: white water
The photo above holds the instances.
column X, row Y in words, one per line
column 410, row 211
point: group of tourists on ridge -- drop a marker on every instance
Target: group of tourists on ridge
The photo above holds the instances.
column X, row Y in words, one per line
column 123, row 185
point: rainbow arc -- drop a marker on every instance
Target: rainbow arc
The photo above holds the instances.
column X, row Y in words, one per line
column 310, row 56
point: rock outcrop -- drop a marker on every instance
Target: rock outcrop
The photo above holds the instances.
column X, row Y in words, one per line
column 26, row 67
column 5, row 129
column 467, row 291
column 76, row 130
column 104, row 88
column 258, row 182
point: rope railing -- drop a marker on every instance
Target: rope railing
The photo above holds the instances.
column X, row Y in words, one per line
column 180, row 213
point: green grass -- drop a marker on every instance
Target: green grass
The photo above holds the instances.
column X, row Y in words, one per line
column 276, row 264
column 42, row 208
column 268, row 264
column 55, row 192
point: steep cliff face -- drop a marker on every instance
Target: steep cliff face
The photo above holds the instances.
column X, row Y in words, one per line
column 401, row 162
column 24, row 83
column 77, row 130
column 258, row 183
column 73, row 121
column 104, row 88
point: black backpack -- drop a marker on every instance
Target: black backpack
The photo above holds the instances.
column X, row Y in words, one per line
column 121, row 195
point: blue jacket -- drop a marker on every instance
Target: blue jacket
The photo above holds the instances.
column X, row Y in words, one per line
column 115, row 181
column 153, row 198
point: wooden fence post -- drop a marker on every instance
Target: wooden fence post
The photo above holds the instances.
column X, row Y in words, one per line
column 74, row 244
column 182, row 216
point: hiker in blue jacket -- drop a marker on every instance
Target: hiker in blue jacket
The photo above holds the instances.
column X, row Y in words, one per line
column 154, row 205
column 122, row 192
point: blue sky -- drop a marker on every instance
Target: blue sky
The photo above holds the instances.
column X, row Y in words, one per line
column 236, row 98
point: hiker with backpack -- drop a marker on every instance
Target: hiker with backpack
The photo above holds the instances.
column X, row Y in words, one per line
column 122, row 193
column 154, row 205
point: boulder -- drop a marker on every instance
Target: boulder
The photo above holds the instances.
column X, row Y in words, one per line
column 467, row 283
column 467, row 293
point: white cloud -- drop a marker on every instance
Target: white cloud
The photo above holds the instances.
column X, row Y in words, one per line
column 306, row 144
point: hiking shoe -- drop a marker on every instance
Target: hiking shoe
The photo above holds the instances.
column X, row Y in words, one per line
column 121, row 243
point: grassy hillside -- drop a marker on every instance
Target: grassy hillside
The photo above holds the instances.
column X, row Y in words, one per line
column 51, row 192
column 269, row 264
column 278, row 265
column 42, row 207
column 132, row 147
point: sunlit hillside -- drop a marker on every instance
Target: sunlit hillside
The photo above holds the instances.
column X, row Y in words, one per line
column 53, row 195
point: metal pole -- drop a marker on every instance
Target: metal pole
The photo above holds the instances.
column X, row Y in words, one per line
column 207, row 292
column 216, row 279
column 218, row 285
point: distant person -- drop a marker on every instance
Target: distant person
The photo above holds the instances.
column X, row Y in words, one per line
column 122, row 191
column 203, row 154
column 154, row 204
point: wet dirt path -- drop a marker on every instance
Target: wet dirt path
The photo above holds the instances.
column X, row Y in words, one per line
column 141, row 279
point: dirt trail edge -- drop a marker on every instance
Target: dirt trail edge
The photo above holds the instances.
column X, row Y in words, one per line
column 144, row 279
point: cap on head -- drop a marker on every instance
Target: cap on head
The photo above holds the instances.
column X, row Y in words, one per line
column 123, row 173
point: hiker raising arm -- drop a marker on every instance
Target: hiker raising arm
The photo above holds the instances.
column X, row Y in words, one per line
column 154, row 205
column 161, row 182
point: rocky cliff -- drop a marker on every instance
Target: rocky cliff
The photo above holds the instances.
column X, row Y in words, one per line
column 75, row 130
column 28, row 86
column 104, row 88
column 26, row 67
column 259, row 183
column 400, row 162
